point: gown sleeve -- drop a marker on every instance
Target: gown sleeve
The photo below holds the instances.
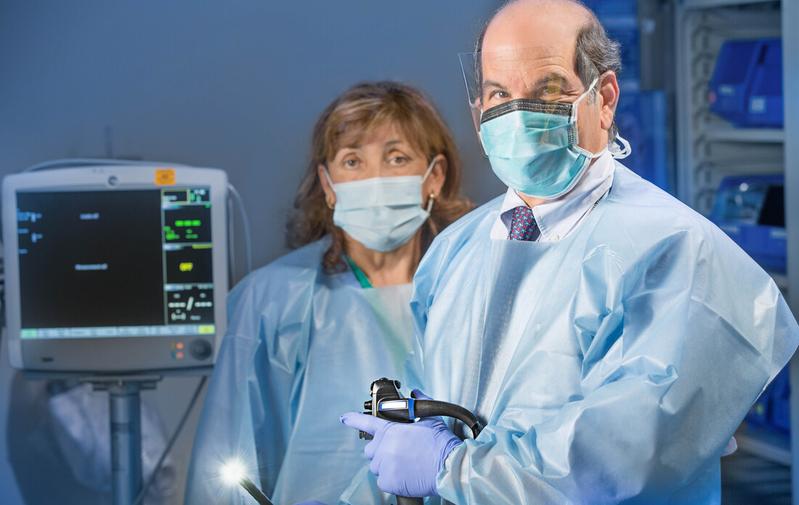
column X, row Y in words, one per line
column 247, row 410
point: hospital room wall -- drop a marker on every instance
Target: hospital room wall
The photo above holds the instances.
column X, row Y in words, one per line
column 233, row 85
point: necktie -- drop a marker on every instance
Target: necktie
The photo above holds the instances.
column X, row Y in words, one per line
column 522, row 225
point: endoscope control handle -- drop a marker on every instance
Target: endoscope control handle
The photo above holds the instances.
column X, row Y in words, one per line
column 404, row 500
column 386, row 402
column 383, row 390
column 408, row 409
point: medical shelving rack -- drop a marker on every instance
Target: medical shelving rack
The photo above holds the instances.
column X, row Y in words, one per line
column 709, row 148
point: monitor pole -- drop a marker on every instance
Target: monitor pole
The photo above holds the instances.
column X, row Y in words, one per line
column 125, row 415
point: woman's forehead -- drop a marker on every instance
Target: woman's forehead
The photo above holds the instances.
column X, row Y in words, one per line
column 386, row 134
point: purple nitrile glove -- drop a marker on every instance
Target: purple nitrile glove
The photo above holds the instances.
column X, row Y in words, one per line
column 406, row 457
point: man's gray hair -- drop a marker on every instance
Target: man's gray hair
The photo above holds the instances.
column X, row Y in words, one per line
column 595, row 53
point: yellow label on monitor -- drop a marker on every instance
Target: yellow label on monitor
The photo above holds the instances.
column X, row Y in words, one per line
column 165, row 177
column 205, row 329
column 186, row 266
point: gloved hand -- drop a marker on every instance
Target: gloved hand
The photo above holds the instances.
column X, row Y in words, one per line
column 406, row 457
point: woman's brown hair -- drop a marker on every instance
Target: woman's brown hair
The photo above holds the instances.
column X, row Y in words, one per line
column 350, row 117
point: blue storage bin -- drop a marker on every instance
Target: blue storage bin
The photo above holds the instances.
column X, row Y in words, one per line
column 780, row 407
column 620, row 19
column 751, row 210
column 759, row 413
column 746, row 86
column 732, row 77
column 630, row 52
column 641, row 118
column 765, row 101
column 613, row 8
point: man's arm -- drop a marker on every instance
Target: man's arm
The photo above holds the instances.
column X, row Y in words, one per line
column 682, row 354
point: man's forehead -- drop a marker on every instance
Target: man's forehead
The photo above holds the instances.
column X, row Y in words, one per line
column 507, row 57
column 525, row 67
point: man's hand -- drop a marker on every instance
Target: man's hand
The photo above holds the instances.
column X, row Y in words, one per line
column 406, row 457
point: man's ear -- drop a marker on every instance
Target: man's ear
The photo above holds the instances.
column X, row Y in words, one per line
column 608, row 91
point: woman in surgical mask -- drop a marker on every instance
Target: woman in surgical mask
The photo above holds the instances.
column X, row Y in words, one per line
column 308, row 333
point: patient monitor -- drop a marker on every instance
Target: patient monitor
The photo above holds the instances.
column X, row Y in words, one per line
column 115, row 268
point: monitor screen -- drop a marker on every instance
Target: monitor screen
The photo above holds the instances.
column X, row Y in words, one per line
column 113, row 264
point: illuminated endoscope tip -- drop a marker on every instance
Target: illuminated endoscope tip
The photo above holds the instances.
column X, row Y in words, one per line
column 232, row 472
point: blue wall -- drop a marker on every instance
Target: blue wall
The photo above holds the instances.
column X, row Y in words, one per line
column 234, row 84
column 231, row 84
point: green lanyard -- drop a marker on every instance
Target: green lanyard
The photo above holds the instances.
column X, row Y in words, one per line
column 363, row 280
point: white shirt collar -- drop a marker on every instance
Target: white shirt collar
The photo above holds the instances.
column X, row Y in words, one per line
column 557, row 218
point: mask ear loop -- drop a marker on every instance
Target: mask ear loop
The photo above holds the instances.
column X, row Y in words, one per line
column 432, row 197
column 575, row 108
column 576, row 103
column 327, row 176
column 429, row 168
column 620, row 148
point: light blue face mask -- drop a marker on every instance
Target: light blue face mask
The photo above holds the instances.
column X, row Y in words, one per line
column 532, row 145
column 381, row 213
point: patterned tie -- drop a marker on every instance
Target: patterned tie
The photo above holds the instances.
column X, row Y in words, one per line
column 522, row 225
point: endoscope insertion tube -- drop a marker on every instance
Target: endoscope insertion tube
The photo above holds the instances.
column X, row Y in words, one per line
column 233, row 473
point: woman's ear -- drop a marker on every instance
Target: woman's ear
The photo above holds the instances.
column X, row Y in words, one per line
column 436, row 178
column 330, row 195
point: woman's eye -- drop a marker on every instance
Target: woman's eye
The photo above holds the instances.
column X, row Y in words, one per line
column 399, row 160
column 351, row 163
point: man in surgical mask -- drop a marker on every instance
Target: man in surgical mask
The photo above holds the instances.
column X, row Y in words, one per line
column 610, row 338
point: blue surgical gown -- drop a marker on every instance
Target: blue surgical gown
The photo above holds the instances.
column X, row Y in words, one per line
column 612, row 366
column 301, row 347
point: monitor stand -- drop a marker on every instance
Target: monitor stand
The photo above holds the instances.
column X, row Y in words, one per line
column 125, row 414
column 125, row 417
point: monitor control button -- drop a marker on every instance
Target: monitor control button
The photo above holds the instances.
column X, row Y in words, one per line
column 200, row 349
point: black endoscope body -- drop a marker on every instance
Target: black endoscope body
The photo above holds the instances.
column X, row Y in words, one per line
column 386, row 402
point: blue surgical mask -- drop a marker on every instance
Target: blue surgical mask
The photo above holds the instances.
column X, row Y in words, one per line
column 381, row 213
column 532, row 145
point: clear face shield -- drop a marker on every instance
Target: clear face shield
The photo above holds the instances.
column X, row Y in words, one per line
column 504, row 81
column 499, row 77
column 501, row 83
column 470, row 67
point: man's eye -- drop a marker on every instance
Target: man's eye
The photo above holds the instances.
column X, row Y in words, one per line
column 553, row 89
column 498, row 94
